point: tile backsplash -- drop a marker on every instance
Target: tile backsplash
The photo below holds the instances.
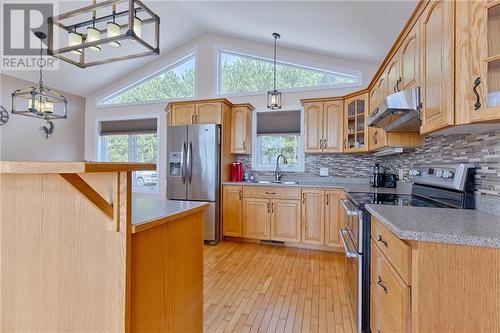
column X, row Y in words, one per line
column 483, row 150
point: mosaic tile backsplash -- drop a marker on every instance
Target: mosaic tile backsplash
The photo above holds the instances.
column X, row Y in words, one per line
column 483, row 150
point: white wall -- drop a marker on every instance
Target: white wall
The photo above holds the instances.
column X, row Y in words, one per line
column 20, row 138
column 206, row 46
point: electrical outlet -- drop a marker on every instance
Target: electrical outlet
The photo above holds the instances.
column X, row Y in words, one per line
column 323, row 172
column 401, row 174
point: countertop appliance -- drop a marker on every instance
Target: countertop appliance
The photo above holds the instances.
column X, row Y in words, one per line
column 377, row 176
column 237, row 171
column 436, row 185
column 193, row 170
column 390, row 180
column 398, row 112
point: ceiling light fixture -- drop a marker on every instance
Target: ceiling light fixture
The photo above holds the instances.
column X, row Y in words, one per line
column 274, row 96
column 39, row 101
column 115, row 33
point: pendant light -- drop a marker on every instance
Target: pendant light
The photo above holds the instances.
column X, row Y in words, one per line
column 137, row 26
column 93, row 34
column 75, row 38
column 274, row 96
column 41, row 102
column 114, row 30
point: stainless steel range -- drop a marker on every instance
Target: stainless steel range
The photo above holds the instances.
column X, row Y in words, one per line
column 436, row 185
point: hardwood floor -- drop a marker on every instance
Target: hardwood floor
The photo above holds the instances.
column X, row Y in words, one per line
column 263, row 288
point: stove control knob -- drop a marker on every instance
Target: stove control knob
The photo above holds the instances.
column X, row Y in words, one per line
column 446, row 174
column 439, row 174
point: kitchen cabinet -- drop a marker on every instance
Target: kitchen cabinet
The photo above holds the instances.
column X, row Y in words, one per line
column 334, row 217
column 381, row 139
column 285, row 220
column 478, row 61
column 437, row 66
column 378, row 93
column 212, row 111
column 241, row 129
column 392, row 75
column 256, row 218
column 410, row 60
column 182, row 114
column 313, row 216
column 355, row 124
column 232, row 207
column 323, row 126
column 208, row 113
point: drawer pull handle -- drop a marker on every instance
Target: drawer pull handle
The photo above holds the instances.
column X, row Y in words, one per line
column 271, row 193
column 379, row 282
column 383, row 241
column 303, row 198
column 477, row 82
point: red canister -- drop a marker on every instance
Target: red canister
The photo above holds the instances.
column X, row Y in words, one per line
column 237, row 171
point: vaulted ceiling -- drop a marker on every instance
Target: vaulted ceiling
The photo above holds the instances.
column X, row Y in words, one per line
column 357, row 30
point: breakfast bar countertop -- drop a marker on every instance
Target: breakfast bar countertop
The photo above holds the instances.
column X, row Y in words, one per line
column 150, row 212
column 440, row 225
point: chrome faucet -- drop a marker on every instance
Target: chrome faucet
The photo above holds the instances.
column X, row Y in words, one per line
column 277, row 172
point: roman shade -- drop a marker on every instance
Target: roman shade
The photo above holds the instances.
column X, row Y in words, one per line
column 130, row 126
column 278, row 122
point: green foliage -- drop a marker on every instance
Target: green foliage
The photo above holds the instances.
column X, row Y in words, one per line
column 273, row 145
column 117, row 148
column 143, row 148
column 246, row 74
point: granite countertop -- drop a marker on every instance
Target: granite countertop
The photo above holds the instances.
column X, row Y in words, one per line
column 150, row 212
column 440, row 225
column 345, row 184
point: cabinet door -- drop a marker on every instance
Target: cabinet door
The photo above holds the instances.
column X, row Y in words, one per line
column 232, row 211
column 378, row 138
column 313, row 216
column 355, row 124
column 378, row 93
column 393, row 77
column 209, row 113
column 437, row 76
column 410, row 59
column 256, row 218
column 241, row 133
column 285, row 220
column 334, row 218
column 333, row 126
column 313, row 127
column 182, row 114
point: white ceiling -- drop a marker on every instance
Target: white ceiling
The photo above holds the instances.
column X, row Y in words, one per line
column 357, row 30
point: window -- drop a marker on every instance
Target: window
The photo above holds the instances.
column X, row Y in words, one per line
column 239, row 74
column 132, row 141
column 278, row 132
column 175, row 81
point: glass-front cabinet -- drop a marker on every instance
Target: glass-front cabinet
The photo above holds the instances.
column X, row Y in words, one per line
column 355, row 126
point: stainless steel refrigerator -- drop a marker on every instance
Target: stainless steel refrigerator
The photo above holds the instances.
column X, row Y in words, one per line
column 193, row 174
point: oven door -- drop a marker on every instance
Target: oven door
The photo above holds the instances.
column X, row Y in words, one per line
column 352, row 218
column 353, row 277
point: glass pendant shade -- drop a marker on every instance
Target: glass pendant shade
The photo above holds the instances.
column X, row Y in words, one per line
column 274, row 99
column 93, row 35
column 138, row 27
column 75, row 39
column 114, row 30
column 42, row 105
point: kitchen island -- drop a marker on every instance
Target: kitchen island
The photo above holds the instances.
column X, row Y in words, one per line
column 79, row 254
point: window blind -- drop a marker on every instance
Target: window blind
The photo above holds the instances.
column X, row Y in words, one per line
column 131, row 126
column 278, row 122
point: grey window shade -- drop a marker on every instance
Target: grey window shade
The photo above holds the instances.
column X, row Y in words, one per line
column 132, row 126
column 278, row 122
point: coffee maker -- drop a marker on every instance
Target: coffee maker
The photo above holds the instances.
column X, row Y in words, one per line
column 377, row 177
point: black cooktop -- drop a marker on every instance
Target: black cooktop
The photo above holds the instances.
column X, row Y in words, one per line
column 362, row 198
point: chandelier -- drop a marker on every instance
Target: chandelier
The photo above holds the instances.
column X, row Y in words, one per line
column 274, row 96
column 99, row 35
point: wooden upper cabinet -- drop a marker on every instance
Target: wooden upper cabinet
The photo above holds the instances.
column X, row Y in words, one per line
column 313, row 127
column 410, row 59
column 355, row 124
column 378, row 138
column 477, row 61
column 392, row 76
column 182, row 114
column 333, row 126
column 256, row 218
column 334, row 217
column 232, row 210
column 378, row 93
column 437, row 66
column 285, row 220
column 313, row 216
column 208, row 113
column 241, row 130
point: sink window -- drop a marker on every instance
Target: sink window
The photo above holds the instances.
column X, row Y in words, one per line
column 132, row 140
column 278, row 132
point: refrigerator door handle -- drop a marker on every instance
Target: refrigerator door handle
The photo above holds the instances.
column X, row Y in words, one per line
column 183, row 163
column 189, row 163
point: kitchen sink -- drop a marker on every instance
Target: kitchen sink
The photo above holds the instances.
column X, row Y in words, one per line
column 278, row 182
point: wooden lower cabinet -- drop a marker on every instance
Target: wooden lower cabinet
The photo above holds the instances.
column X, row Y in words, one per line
column 334, row 217
column 232, row 211
column 313, row 216
column 257, row 218
column 285, row 220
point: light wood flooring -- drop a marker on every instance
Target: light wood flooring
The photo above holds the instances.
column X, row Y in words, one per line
column 264, row 288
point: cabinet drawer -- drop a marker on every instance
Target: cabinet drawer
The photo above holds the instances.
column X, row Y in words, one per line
column 378, row 323
column 395, row 250
column 390, row 292
column 272, row 192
